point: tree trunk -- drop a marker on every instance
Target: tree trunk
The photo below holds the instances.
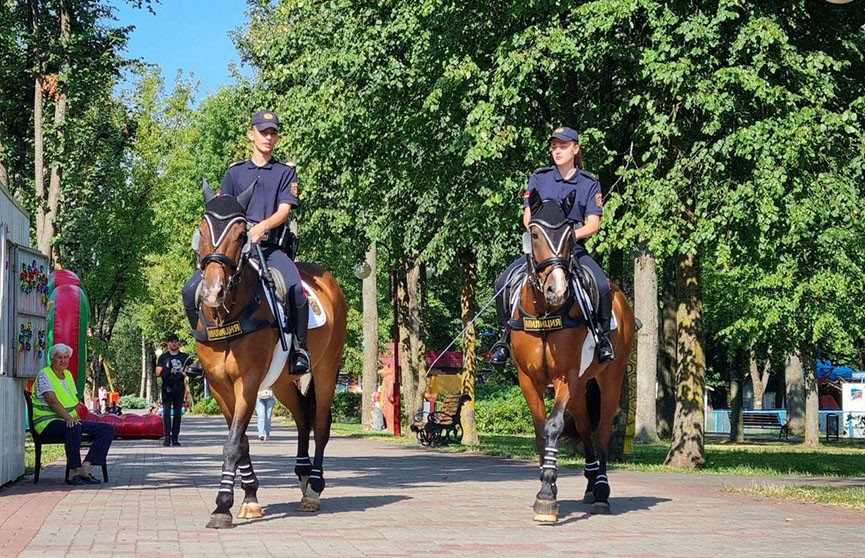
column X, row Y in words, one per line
column 466, row 260
column 794, row 376
column 687, row 450
column 370, row 336
column 666, row 402
column 736, row 431
column 406, row 360
column 38, row 132
column 812, row 401
column 415, row 357
column 143, row 388
column 646, row 309
column 53, row 201
column 759, row 379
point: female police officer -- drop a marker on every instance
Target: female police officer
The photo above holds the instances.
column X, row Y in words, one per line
column 273, row 198
column 556, row 182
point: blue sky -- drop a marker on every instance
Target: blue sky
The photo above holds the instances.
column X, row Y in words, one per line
column 187, row 34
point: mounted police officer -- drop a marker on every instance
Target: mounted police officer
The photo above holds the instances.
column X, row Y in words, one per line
column 274, row 196
column 555, row 183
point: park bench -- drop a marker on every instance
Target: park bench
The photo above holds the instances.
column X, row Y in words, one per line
column 38, row 442
column 764, row 420
column 441, row 427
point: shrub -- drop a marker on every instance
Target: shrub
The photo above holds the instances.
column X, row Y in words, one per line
column 347, row 406
column 503, row 410
column 207, row 406
column 132, row 402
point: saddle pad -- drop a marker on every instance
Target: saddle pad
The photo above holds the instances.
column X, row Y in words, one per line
column 317, row 317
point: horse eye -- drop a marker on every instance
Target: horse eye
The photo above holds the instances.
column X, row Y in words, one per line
column 534, row 236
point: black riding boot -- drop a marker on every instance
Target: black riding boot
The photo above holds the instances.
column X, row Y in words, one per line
column 502, row 348
column 605, row 314
column 302, row 362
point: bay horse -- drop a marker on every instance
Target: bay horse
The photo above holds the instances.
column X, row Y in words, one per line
column 241, row 352
column 555, row 347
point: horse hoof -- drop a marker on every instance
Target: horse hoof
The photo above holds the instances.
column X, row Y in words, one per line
column 304, row 483
column 220, row 521
column 546, row 511
column 310, row 502
column 601, row 508
column 250, row 511
column 589, row 497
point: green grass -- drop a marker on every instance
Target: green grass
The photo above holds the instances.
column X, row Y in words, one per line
column 853, row 498
column 50, row 454
column 754, row 458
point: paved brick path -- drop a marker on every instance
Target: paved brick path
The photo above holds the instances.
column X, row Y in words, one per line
column 390, row 500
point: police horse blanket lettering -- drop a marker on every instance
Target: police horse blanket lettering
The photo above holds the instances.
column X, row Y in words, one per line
column 241, row 352
column 554, row 346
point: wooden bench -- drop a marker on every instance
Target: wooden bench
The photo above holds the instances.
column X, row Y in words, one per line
column 441, row 427
column 38, row 442
column 764, row 420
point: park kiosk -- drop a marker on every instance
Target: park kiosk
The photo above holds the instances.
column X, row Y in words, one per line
column 23, row 328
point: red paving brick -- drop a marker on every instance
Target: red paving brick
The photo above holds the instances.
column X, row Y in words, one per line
column 390, row 500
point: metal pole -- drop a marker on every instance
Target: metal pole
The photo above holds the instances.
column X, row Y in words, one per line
column 397, row 372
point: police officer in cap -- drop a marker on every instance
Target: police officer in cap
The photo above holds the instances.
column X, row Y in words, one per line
column 556, row 183
column 274, row 196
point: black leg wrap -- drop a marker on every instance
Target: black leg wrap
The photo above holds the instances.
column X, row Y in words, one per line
column 302, row 467
column 316, row 480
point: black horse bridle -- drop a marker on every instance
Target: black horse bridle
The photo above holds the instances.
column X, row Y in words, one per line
column 556, row 261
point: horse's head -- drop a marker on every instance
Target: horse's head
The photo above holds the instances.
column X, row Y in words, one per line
column 550, row 234
column 224, row 242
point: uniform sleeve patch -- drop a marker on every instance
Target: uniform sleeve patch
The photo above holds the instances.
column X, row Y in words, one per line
column 599, row 200
column 294, row 190
column 527, row 194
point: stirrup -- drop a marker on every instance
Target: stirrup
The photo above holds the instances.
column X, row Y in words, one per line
column 606, row 353
column 302, row 362
column 500, row 354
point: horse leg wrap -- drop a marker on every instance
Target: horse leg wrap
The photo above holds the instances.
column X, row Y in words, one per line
column 601, row 489
column 302, row 469
column 549, row 470
column 316, row 481
column 591, row 473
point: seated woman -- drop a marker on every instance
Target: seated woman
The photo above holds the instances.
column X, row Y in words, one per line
column 55, row 417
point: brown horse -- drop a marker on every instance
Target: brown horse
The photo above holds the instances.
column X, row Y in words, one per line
column 550, row 350
column 241, row 353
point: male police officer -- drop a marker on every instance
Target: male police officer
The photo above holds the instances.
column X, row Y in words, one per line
column 273, row 198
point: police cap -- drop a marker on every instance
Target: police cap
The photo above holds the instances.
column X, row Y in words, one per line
column 264, row 119
column 565, row 134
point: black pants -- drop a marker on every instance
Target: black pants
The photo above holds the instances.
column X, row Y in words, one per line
column 172, row 400
column 101, row 433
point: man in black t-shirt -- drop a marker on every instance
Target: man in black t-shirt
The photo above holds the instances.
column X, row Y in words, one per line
column 170, row 369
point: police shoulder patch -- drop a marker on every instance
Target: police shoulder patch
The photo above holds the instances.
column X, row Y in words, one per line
column 588, row 174
column 236, row 163
column 542, row 170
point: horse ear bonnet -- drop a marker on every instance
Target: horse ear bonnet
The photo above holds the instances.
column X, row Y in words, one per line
column 550, row 215
column 221, row 212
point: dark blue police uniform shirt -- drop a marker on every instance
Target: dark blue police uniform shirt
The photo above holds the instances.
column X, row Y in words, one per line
column 277, row 184
column 550, row 185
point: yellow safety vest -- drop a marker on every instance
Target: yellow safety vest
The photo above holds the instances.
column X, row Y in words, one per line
column 42, row 412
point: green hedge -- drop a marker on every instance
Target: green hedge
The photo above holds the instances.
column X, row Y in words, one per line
column 503, row 410
column 347, row 406
column 207, row 406
column 132, row 402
